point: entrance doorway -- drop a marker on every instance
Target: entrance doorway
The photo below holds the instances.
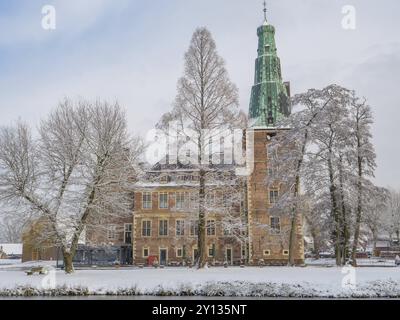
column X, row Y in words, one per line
column 229, row 257
column 195, row 253
column 163, row 257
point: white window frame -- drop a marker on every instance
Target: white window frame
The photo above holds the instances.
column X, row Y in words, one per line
column 274, row 198
column 193, row 200
column 142, row 229
column 177, row 255
column 180, row 195
column 193, row 224
column 159, row 200
column 159, row 229
column 182, row 228
column 210, row 198
column 208, row 251
column 131, row 231
column 213, row 226
column 274, row 231
column 148, row 252
column 147, row 202
column 112, row 232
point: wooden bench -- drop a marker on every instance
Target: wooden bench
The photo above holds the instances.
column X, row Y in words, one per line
column 39, row 270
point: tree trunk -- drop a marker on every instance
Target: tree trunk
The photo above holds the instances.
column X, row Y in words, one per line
column 358, row 211
column 335, row 214
column 316, row 244
column 375, row 239
column 292, row 241
column 202, row 245
column 292, row 237
column 68, row 265
column 345, row 228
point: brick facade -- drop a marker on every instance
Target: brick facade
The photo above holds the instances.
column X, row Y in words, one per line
column 178, row 243
column 270, row 245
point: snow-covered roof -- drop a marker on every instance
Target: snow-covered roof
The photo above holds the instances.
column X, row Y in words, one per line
column 11, row 248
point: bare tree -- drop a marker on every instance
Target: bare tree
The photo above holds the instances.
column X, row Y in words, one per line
column 290, row 148
column 12, row 223
column 392, row 215
column 330, row 142
column 375, row 207
column 206, row 104
column 74, row 173
column 316, row 211
column 331, row 151
column 362, row 154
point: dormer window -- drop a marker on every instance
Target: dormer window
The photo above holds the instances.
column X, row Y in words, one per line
column 164, row 179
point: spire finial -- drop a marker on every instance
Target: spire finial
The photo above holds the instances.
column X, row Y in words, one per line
column 265, row 10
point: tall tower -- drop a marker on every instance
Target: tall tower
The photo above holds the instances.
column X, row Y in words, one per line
column 268, row 233
column 269, row 100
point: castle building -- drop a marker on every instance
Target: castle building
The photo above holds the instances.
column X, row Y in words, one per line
column 240, row 227
column 164, row 225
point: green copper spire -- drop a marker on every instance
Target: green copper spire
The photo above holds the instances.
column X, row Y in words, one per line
column 269, row 100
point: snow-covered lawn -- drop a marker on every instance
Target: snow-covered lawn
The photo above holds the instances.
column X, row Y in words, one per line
column 250, row 281
column 371, row 262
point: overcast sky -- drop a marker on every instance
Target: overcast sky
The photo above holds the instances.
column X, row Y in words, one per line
column 132, row 51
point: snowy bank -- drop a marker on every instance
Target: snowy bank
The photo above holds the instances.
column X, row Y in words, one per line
column 305, row 282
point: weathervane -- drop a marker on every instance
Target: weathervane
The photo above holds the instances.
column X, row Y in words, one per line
column 265, row 10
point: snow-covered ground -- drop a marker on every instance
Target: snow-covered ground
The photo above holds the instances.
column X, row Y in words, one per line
column 371, row 262
column 308, row 281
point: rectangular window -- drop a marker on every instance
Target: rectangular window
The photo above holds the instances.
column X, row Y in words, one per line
column 285, row 252
column 146, row 228
column 145, row 252
column 163, row 200
column 210, row 198
column 273, row 196
column 267, row 252
column 194, row 228
column 163, row 228
column 226, row 200
column 180, row 200
column 210, row 227
column 180, row 227
column 164, row 179
column 227, row 231
column 128, row 233
column 112, row 232
column 275, row 224
column 146, row 200
column 179, row 252
column 194, row 200
column 211, row 251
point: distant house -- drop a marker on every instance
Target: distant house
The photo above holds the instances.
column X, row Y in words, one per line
column 383, row 245
column 10, row 250
column 34, row 246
